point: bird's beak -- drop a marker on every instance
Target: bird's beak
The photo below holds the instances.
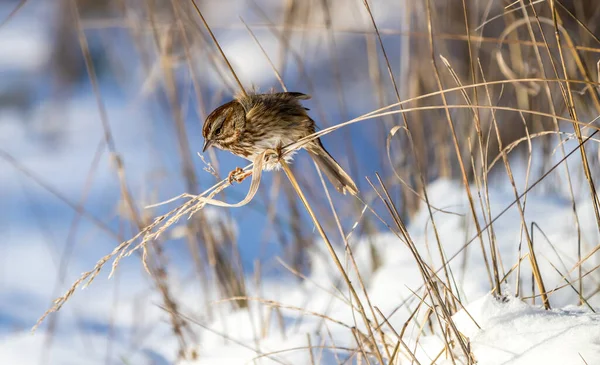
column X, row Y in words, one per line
column 207, row 143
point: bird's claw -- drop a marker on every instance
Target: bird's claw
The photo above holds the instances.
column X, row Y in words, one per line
column 238, row 175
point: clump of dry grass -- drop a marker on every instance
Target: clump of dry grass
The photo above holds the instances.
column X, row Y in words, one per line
column 478, row 84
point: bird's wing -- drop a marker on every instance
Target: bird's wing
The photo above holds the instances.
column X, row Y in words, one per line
column 296, row 95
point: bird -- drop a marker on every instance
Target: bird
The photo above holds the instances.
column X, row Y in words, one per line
column 252, row 123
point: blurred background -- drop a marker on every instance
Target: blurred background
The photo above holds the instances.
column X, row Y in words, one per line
column 101, row 109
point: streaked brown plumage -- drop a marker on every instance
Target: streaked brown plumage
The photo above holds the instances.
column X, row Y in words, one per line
column 249, row 125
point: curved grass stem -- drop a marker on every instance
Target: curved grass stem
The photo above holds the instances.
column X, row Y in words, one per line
column 334, row 256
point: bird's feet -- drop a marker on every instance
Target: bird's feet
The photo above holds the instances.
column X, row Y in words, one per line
column 238, row 175
column 279, row 151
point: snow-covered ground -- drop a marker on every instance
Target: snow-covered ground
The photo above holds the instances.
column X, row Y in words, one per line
column 501, row 330
column 119, row 321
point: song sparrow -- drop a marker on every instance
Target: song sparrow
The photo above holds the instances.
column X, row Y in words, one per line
column 252, row 123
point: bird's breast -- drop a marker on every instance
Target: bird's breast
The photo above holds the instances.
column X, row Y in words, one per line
column 251, row 150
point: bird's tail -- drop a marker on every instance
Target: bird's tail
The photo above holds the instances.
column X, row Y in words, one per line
column 334, row 172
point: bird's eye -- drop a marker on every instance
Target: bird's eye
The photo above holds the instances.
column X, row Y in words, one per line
column 219, row 130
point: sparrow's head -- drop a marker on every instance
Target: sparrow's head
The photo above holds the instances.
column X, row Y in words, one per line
column 223, row 126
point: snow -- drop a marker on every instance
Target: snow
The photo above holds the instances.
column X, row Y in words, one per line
column 500, row 330
column 513, row 332
column 26, row 348
column 286, row 312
